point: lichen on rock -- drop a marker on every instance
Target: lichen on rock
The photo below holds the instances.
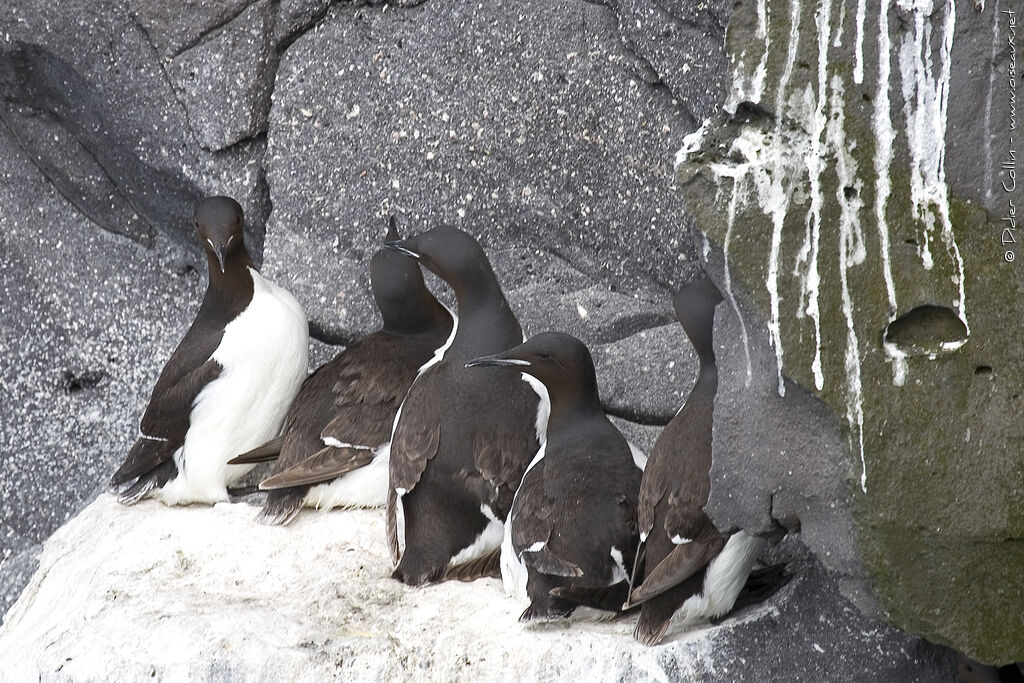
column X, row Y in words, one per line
column 880, row 290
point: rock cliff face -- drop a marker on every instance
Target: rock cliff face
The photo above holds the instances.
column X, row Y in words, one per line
column 856, row 217
column 547, row 129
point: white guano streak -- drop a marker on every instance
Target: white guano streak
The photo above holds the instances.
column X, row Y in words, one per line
column 851, row 253
column 882, row 124
column 926, row 124
column 742, row 91
column 779, row 200
column 988, row 102
column 920, row 115
column 738, row 174
column 814, row 162
column 837, row 41
column 858, row 49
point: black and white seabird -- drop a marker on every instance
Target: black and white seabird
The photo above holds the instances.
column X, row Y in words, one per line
column 684, row 563
column 463, row 437
column 228, row 385
column 573, row 520
column 333, row 450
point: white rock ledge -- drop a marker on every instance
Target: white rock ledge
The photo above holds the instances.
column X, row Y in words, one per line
column 195, row 593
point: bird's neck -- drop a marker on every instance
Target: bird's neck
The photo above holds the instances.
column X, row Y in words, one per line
column 575, row 409
column 229, row 292
column 486, row 322
column 425, row 317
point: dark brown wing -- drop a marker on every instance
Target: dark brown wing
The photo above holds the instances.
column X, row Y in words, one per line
column 486, row 566
column 325, row 465
column 532, row 512
column 166, row 420
column 532, row 527
column 391, row 523
column 370, row 386
column 684, row 519
column 682, row 562
column 652, row 490
column 501, row 454
column 379, row 369
column 353, row 398
column 413, row 444
column 265, row 453
column 361, row 424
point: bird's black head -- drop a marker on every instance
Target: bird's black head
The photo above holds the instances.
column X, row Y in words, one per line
column 560, row 361
column 219, row 224
column 695, row 308
column 405, row 303
column 451, row 254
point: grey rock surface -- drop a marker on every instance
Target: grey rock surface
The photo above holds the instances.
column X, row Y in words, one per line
column 528, row 126
column 679, row 46
column 73, row 383
column 226, row 80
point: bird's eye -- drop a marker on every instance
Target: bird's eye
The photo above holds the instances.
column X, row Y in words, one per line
column 544, row 356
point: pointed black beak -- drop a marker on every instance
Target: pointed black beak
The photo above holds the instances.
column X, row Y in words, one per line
column 218, row 251
column 397, row 246
column 496, row 361
column 392, row 235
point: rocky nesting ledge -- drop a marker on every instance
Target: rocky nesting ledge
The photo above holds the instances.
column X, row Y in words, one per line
column 156, row 593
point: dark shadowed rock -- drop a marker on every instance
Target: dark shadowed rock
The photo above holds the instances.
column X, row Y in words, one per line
column 225, row 80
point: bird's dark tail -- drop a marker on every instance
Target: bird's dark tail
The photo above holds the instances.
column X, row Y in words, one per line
column 131, row 493
column 609, row 598
column 651, row 632
column 761, row 585
column 265, row 453
column 487, row 566
column 282, row 506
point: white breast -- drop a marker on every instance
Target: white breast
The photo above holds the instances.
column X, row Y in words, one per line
column 366, row 487
column 724, row 579
column 263, row 355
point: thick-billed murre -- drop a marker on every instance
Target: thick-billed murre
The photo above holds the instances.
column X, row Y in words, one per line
column 684, row 563
column 228, row 384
